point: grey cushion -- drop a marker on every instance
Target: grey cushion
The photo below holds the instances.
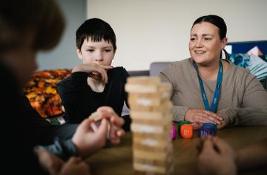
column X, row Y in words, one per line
column 157, row 67
column 134, row 73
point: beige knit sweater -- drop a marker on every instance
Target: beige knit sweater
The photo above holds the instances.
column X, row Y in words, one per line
column 243, row 99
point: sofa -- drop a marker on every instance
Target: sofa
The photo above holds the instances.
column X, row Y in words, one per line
column 42, row 94
column 41, row 89
column 157, row 67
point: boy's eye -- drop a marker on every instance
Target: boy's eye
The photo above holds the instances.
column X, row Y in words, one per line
column 90, row 50
column 108, row 50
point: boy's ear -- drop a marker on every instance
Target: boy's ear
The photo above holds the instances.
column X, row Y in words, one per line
column 79, row 53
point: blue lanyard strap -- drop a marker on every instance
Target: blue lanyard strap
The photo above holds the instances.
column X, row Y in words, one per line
column 215, row 101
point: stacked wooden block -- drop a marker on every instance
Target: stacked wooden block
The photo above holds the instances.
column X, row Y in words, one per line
column 150, row 110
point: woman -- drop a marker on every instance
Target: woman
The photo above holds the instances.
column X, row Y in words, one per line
column 207, row 89
column 95, row 82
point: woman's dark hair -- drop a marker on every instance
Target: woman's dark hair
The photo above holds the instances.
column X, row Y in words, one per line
column 215, row 20
column 43, row 18
column 96, row 29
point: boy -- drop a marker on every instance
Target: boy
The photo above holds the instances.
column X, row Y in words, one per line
column 95, row 82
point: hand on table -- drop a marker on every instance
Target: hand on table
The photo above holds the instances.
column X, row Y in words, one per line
column 89, row 137
column 115, row 131
column 56, row 166
column 199, row 116
column 216, row 157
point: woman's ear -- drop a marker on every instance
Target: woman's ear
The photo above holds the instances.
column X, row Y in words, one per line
column 224, row 42
column 79, row 53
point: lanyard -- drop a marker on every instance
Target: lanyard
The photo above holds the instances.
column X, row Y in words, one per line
column 215, row 101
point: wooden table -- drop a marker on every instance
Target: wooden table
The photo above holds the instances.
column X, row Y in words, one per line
column 118, row 160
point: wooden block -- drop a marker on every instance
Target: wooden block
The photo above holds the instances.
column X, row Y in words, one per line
column 138, row 172
column 147, row 85
column 145, row 165
column 160, row 92
column 152, row 135
column 147, row 128
column 150, row 168
column 164, row 121
column 149, row 155
column 166, row 150
column 166, row 106
column 151, row 115
column 148, row 143
column 144, row 101
column 144, row 80
column 164, row 163
column 137, row 88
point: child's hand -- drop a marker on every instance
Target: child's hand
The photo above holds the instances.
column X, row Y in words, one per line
column 96, row 71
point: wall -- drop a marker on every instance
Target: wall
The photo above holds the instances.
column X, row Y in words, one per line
column 158, row 30
column 64, row 55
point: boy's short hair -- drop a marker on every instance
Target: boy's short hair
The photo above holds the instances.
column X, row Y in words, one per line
column 19, row 18
column 96, row 29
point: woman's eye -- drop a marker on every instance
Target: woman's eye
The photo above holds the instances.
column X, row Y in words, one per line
column 207, row 39
column 192, row 39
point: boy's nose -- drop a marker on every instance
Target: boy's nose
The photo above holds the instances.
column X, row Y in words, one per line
column 99, row 57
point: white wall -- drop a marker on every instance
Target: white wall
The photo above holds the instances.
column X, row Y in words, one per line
column 158, row 30
column 64, row 55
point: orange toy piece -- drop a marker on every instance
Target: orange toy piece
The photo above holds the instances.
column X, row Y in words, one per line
column 186, row 131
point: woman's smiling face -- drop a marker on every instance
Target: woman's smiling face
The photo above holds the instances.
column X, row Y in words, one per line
column 205, row 45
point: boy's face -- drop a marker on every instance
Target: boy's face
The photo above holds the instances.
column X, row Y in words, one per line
column 101, row 52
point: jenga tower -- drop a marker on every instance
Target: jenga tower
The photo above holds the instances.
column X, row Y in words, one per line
column 150, row 110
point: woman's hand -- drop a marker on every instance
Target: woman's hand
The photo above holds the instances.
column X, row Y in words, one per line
column 222, row 125
column 199, row 116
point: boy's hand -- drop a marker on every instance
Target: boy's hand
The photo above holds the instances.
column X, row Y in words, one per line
column 96, row 71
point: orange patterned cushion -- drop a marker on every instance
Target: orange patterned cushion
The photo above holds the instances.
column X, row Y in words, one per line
column 41, row 91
